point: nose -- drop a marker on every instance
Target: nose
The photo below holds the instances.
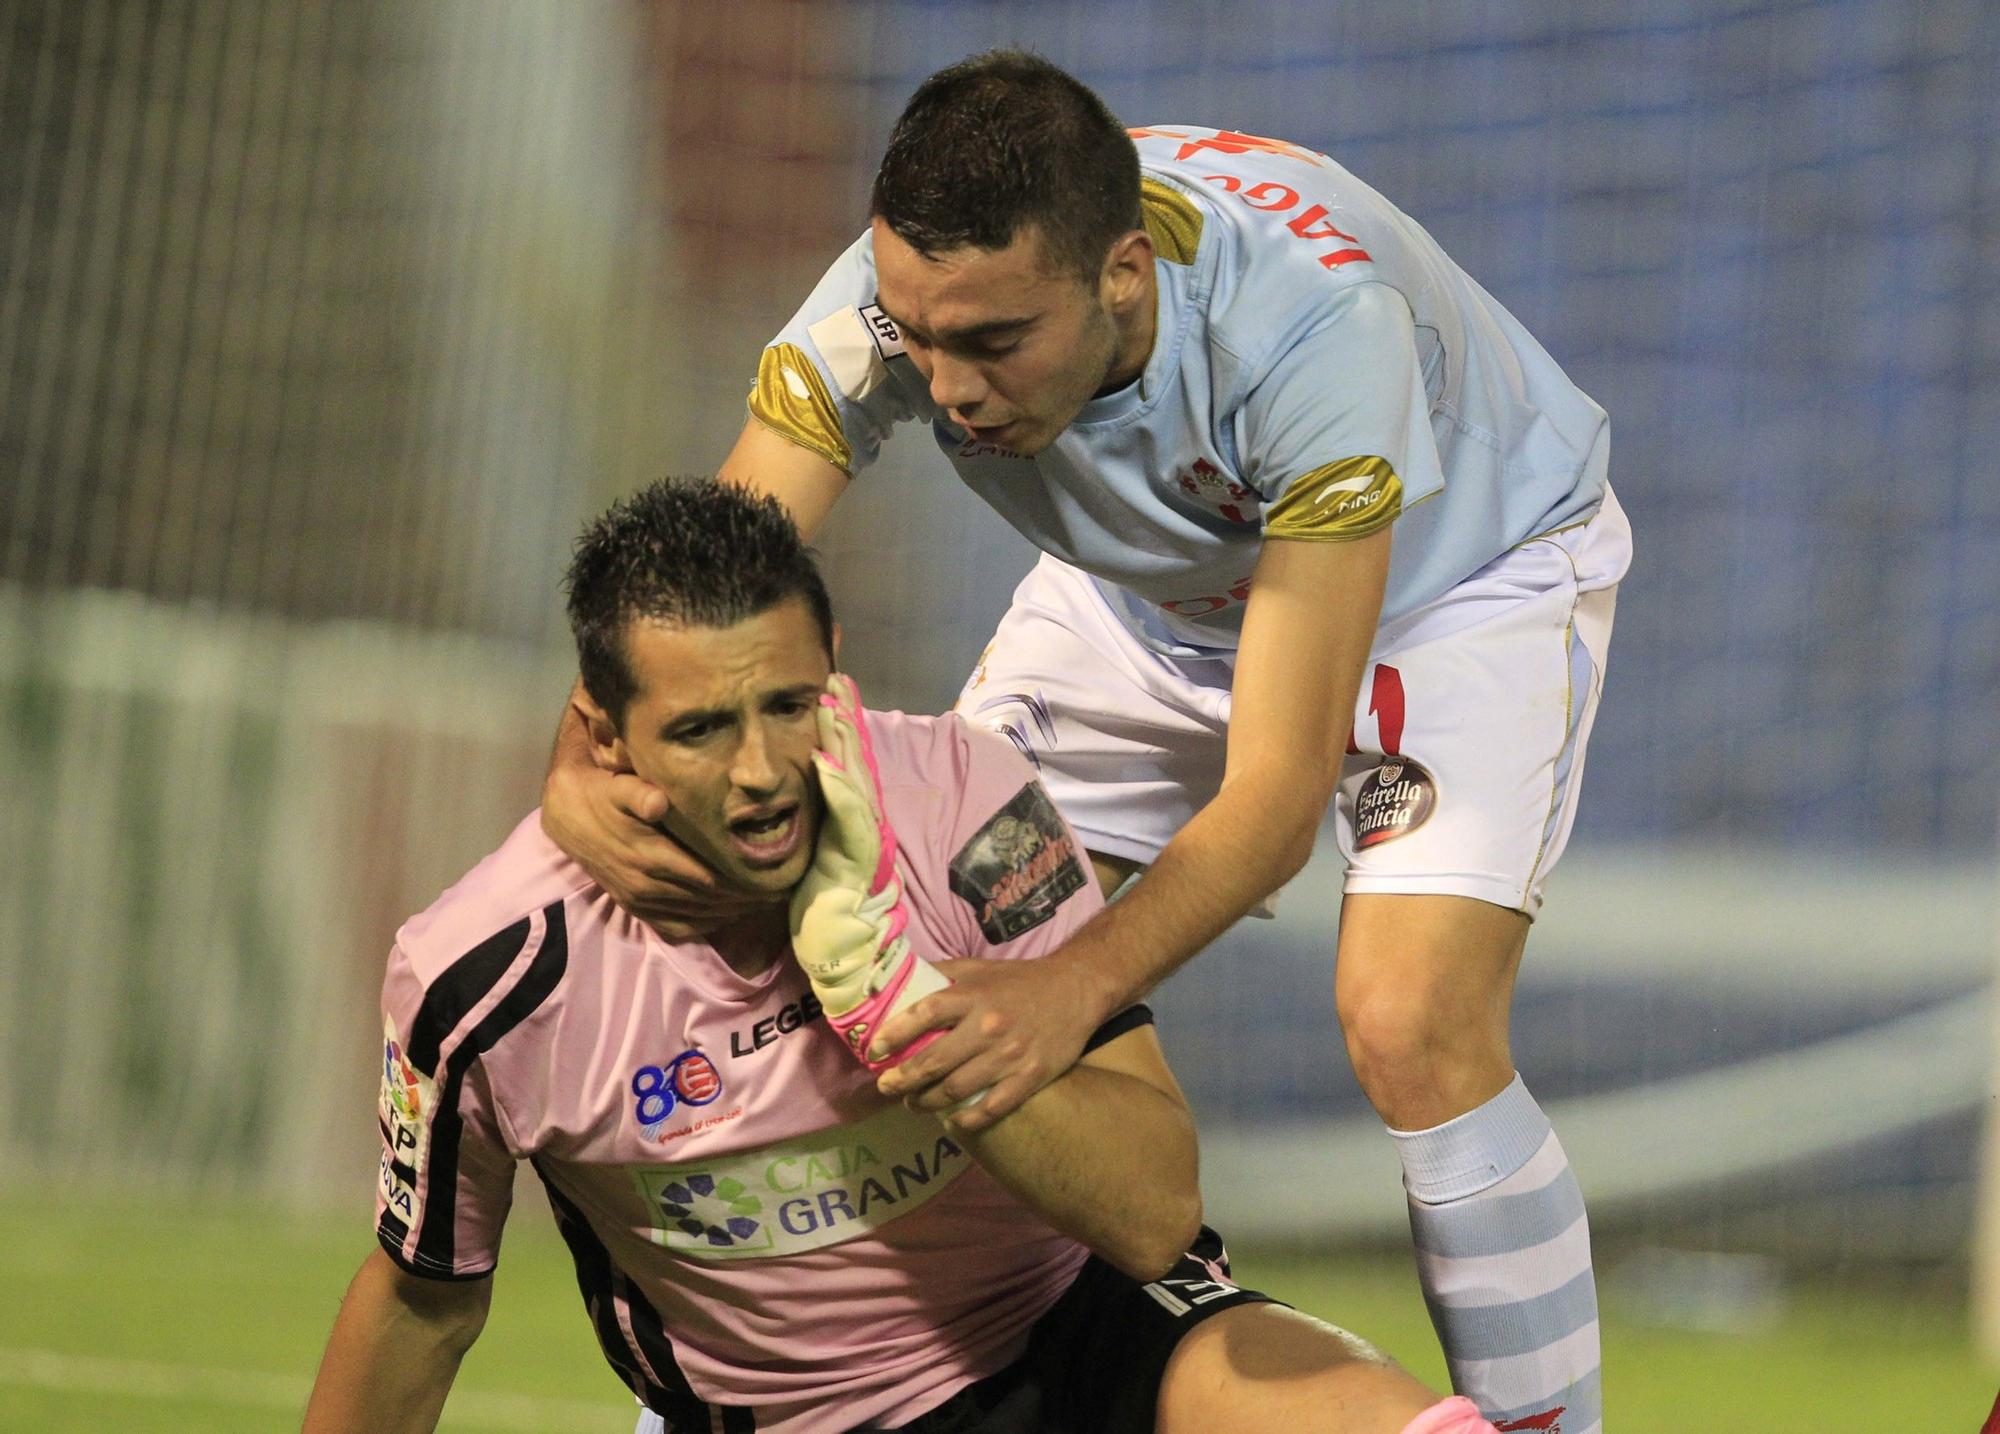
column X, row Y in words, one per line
column 955, row 384
column 755, row 767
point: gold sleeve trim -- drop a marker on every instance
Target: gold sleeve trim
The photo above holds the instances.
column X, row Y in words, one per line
column 1338, row 503
column 790, row 398
column 1171, row 219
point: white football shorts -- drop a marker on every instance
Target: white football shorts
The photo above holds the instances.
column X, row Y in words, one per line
column 1467, row 749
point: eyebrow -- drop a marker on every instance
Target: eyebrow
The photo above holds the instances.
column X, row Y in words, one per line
column 989, row 329
column 805, row 691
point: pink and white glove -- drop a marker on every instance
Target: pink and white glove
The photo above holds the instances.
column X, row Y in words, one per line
column 850, row 916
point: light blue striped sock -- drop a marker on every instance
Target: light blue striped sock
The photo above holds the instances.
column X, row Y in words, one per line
column 1503, row 1253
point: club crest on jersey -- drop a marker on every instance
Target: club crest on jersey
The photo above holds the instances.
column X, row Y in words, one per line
column 1209, row 485
column 690, row 1078
column 1396, row 799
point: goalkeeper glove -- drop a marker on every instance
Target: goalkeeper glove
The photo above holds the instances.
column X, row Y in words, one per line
column 850, row 916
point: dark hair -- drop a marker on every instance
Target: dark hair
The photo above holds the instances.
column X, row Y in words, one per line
column 696, row 552
column 1004, row 140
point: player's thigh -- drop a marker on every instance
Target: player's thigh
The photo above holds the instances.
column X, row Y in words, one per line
column 1467, row 755
column 1128, row 745
column 1422, row 987
column 1443, row 966
column 1266, row 1367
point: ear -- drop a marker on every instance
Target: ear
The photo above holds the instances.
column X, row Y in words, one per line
column 1126, row 280
column 607, row 748
column 836, row 647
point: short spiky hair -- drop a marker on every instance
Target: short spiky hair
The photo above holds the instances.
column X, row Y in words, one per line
column 690, row 551
column 1001, row 141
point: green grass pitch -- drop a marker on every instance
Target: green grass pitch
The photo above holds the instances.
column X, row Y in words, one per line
column 146, row 1317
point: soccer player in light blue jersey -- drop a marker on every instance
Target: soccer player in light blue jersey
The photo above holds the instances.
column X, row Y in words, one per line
column 1322, row 525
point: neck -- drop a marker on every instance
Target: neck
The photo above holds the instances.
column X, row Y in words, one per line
column 1136, row 331
column 750, row 944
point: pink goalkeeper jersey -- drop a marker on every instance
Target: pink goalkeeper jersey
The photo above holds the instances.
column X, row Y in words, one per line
column 763, row 1242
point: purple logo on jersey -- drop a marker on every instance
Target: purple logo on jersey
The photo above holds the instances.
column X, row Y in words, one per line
column 690, row 1078
column 993, row 713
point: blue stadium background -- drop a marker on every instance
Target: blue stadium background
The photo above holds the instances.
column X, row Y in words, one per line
column 1767, row 239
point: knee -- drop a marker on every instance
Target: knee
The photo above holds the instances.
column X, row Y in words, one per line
column 1420, row 1060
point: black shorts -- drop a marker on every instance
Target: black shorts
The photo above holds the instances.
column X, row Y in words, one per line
column 1094, row 1361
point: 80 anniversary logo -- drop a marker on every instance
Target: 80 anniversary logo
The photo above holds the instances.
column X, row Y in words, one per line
column 690, row 1078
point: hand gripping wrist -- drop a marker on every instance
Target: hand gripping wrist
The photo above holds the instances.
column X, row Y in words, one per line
column 850, row 915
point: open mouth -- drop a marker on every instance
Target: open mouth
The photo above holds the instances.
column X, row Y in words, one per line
column 767, row 838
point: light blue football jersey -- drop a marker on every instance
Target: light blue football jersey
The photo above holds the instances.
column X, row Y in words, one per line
column 1320, row 368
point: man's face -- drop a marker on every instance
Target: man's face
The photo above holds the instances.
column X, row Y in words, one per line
column 723, row 722
column 1011, row 345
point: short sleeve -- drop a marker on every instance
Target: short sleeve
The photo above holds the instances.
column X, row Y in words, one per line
column 825, row 382
column 1336, row 436
column 446, row 1177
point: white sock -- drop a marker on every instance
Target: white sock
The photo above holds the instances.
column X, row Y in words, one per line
column 1503, row 1254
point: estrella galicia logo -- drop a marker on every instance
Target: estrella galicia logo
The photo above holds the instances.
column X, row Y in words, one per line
column 711, row 1212
column 1395, row 799
column 690, row 1078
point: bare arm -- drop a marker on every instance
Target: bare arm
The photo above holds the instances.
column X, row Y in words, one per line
column 394, row 1350
column 1107, row 1155
column 1306, row 633
column 765, row 461
column 608, row 822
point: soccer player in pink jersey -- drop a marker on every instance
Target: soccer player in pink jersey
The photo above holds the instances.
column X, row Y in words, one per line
column 1326, row 535
column 763, row 1240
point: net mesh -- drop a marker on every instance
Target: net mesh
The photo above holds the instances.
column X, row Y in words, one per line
column 322, row 326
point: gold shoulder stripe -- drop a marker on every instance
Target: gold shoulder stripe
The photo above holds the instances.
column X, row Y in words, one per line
column 1172, row 220
column 1338, row 503
column 790, row 398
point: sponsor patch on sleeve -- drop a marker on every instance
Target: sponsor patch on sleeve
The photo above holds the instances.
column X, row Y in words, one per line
column 791, row 399
column 1018, row 868
column 888, row 339
column 407, row 1106
column 1340, row 502
column 856, row 344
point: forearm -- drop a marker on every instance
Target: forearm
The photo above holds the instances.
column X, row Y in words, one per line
column 1108, row 1160
column 1306, row 635
column 1236, row 851
column 390, row 1362
column 765, row 461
